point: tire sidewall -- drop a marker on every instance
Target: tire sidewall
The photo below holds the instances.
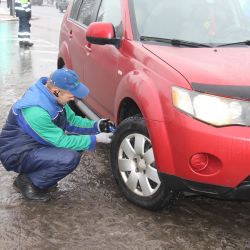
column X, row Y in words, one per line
column 163, row 195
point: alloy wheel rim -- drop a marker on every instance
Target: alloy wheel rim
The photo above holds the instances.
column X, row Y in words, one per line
column 137, row 165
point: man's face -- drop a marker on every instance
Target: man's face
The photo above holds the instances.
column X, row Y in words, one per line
column 64, row 96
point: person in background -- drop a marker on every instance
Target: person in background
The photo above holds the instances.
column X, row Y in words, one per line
column 43, row 139
column 9, row 5
column 23, row 12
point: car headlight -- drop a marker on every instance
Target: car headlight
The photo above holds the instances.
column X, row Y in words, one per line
column 215, row 110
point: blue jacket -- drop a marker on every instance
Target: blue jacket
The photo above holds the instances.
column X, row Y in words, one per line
column 16, row 139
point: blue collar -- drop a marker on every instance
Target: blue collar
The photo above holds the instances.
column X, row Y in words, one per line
column 39, row 95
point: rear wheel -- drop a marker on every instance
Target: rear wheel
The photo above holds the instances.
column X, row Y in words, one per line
column 133, row 166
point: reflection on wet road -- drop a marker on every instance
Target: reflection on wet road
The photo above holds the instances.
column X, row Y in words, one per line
column 88, row 211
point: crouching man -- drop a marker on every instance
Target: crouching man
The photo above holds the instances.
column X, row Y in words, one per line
column 42, row 137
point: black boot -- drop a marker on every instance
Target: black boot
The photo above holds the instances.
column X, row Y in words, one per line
column 28, row 44
column 24, row 185
column 51, row 189
column 21, row 44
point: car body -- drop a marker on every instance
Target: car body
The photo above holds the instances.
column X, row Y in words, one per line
column 174, row 78
column 62, row 5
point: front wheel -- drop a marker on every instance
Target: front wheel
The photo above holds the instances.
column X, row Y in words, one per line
column 134, row 169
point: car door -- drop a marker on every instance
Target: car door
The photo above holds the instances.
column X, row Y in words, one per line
column 82, row 14
column 100, row 67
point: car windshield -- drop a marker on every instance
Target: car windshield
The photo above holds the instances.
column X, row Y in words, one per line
column 212, row 22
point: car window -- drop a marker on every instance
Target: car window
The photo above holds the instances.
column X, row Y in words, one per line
column 75, row 8
column 203, row 21
column 86, row 14
column 245, row 4
column 110, row 11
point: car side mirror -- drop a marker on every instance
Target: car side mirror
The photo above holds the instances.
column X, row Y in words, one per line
column 102, row 33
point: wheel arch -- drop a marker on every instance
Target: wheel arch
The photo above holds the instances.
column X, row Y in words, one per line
column 136, row 90
column 137, row 94
column 64, row 57
column 128, row 108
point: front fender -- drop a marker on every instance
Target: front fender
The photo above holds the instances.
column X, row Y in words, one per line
column 137, row 86
column 146, row 94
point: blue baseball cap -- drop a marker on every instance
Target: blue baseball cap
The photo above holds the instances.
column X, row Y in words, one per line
column 68, row 79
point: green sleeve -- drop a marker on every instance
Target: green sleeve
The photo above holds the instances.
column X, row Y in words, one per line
column 40, row 122
column 78, row 121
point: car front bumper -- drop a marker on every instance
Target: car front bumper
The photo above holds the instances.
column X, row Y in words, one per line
column 241, row 192
column 180, row 138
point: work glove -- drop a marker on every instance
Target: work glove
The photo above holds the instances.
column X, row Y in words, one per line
column 104, row 138
column 105, row 125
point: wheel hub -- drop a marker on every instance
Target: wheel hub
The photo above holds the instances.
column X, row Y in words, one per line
column 136, row 165
column 140, row 164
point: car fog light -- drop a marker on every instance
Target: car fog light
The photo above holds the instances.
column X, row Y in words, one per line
column 199, row 162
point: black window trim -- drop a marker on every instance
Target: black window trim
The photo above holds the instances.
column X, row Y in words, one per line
column 77, row 10
column 135, row 31
column 95, row 12
column 100, row 3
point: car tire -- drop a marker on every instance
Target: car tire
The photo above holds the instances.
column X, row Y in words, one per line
column 133, row 166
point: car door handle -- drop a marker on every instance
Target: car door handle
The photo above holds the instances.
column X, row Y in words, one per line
column 71, row 34
column 88, row 48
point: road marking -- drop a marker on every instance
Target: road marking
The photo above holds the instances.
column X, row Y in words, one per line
column 44, row 41
column 4, row 36
column 44, row 51
column 45, row 46
column 14, row 38
column 48, row 60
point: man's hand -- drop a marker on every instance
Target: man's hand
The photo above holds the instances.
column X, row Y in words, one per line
column 104, row 137
column 105, row 125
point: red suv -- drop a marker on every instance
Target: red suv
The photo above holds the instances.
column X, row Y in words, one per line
column 175, row 77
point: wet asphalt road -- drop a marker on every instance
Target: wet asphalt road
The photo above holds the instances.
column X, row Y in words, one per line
column 88, row 211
